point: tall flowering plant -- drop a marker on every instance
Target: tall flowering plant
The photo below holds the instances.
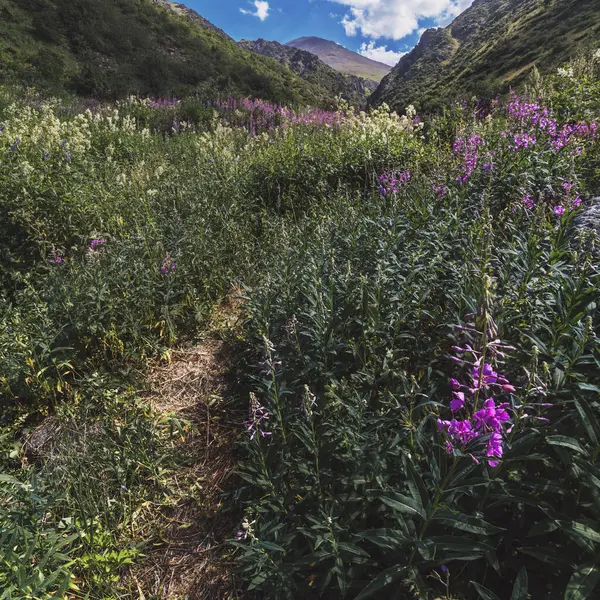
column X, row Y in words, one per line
column 483, row 408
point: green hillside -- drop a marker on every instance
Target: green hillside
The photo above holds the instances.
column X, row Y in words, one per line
column 488, row 49
column 311, row 68
column 112, row 48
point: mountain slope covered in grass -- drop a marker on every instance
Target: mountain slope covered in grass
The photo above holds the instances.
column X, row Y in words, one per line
column 112, row 48
column 311, row 68
column 489, row 48
column 341, row 59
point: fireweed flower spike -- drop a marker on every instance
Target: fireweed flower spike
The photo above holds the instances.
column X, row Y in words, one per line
column 167, row 266
column 257, row 418
column 528, row 202
column 96, row 243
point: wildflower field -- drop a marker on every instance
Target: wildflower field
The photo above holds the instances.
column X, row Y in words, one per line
column 414, row 373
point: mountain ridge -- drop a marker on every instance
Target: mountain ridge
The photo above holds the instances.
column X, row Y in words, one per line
column 487, row 49
column 341, row 59
column 190, row 13
column 110, row 49
column 311, row 68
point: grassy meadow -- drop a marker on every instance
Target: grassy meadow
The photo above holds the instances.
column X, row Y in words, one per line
column 406, row 312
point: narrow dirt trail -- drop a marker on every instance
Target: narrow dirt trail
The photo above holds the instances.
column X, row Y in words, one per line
column 190, row 558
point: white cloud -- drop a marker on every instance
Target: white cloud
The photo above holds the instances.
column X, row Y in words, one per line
column 380, row 53
column 262, row 10
column 396, row 19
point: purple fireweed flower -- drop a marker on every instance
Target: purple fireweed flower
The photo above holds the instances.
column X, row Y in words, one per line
column 58, row 260
column 489, row 376
column 444, row 569
column 577, row 202
column 528, row 202
column 440, row 190
column 391, row 181
column 559, row 210
column 466, row 149
column 491, row 416
column 461, row 431
column 494, row 448
column 167, row 266
column 523, row 140
column 242, row 533
column 257, row 418
column 457, row 402
column 455, row 359
column 96, row 243
column 454, row 384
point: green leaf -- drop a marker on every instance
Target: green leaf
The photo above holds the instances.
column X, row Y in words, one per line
column 385, row 538
column 404, row 504
column 352, row 549
column 582, row 583
column 418, row 482
column 272, row 546
column 383, row 580
column 548, row 556
column 588, row 419
column 484, row 592
column 567, row 442
column 450, row 547
column 465, row 523
column 581, row 529
column 589, row 387
column 519, row 591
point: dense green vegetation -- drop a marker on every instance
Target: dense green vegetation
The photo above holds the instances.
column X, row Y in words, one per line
column 488, row 49
column 387, row 266
column 113, row 48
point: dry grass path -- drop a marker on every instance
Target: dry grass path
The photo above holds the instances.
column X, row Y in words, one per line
column 190, row 557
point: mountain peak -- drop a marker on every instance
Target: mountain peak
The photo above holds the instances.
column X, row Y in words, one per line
column 341, row 59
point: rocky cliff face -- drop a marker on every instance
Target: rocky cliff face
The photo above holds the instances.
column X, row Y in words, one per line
column 487, row 49
column 311, row 68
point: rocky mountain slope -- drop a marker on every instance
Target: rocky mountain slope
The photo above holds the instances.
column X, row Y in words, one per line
column 113, row 48
column 489, row 48
column 182, row 9
column 311, row 68
column 341, row 59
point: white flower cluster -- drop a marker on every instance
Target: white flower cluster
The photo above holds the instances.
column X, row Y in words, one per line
column 565, row 72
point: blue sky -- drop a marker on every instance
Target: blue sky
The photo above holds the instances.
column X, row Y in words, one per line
column 380, row 29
